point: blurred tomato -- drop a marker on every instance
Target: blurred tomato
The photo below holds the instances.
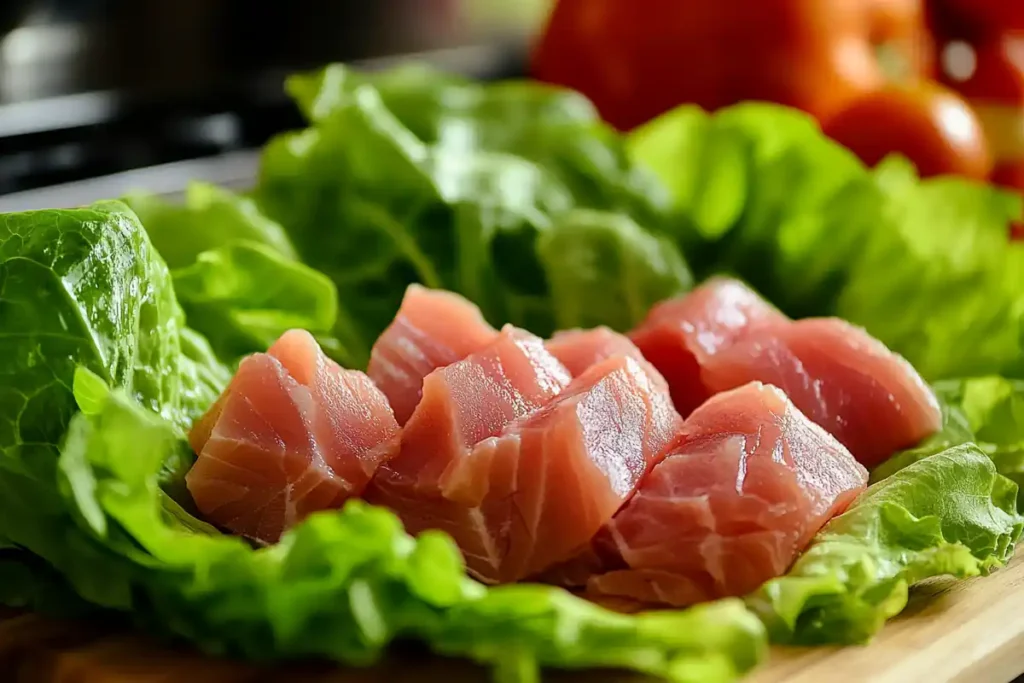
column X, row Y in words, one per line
column 638, row 58
column 930, row 125
column 990, row 76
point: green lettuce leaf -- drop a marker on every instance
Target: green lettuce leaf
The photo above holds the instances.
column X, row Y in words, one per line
column 342, row 585
column 584, row 248
column 994, row 409
column 553, row 127
column 520, row 626
column 84, row 287
column 988, row 411
column 948, row 514
column 956, row 430
column 243, row 296
column 925, row 266
column 758, row 191
column 458, row 185
column 210, row 217
column 203, row 376
column 237, row 276
column 416, row 91
column 941, row 284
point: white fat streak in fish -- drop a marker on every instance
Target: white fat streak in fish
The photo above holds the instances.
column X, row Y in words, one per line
column 409, row 353
column 217, row 436
column 806, row 381
column 552, row 376
column 607, row 432
column 542, row 486
column 463, row 468
column 492, row 558
column 741, row 469
column 711, row 551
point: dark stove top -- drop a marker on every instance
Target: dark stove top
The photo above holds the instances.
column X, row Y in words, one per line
column 90, row 88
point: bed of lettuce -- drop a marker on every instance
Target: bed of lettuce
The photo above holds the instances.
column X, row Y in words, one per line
column 120, row 323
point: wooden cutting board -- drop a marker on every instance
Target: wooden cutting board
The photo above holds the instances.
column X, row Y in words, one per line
column 963, row 632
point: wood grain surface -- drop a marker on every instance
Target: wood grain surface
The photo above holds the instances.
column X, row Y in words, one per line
column 952, row 632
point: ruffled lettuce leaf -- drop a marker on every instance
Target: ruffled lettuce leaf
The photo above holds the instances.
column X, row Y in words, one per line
column 237, row 277
column 925, row 266
column 942, row 284
column 759, row 192
column 552, row 127
column 988, row 411
column 242, row 296
column 342, row 585
column 210, row 217
column 584, row 246
column 994, row 408
column 955, row 430
column 949, row 514
column 202, row 374
column 456, row 185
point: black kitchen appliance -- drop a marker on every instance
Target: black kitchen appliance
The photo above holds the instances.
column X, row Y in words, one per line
column 90, row 88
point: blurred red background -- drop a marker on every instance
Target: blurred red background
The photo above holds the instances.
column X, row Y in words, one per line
column 940, row 81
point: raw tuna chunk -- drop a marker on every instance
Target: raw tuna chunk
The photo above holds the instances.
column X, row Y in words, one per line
column 554, row 478
column 463, row 404
column 580, row 349
column 740, row 494
column 723, row 335
column 679, row 335
column 292, row 434
column 530, row 492
column 842, row 378
column 433, row 329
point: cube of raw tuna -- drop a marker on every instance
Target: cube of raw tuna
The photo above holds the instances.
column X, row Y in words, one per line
column 723, row 335
column 292, row 434
column 433, row 329
column 741, row 492
column 679, row 335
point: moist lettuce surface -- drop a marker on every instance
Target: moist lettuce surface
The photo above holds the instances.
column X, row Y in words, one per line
column 121, row 322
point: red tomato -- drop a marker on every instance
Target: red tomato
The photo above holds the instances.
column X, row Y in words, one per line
column 636, row 60
column 989, row 70
column 990, row 76
column 930, row 125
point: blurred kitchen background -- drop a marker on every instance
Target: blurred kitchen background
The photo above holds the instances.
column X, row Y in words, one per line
column 190, row 89
column 94, row 87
